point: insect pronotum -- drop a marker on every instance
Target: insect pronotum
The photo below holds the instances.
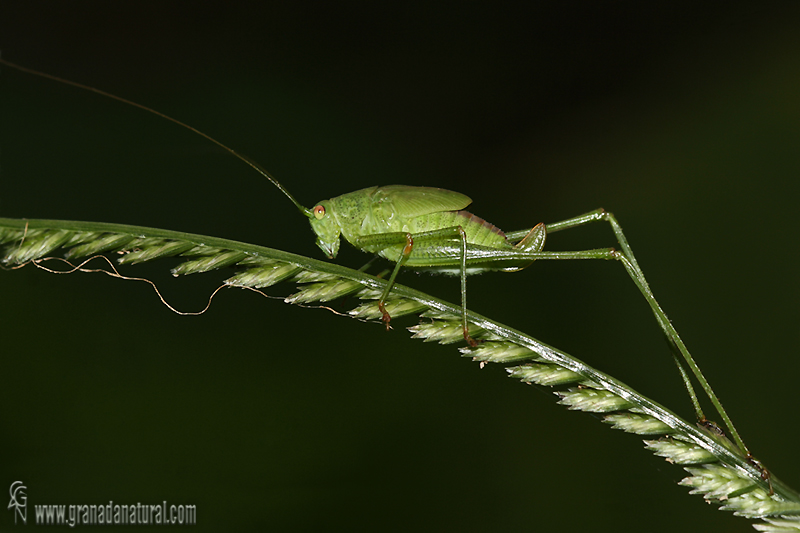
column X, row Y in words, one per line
column 426, row 228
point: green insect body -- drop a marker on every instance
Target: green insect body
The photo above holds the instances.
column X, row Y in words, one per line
column 422, row 228
column 402, row 209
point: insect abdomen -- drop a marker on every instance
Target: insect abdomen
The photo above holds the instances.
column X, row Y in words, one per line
column 479, row 231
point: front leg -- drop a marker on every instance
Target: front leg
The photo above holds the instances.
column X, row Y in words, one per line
column 385, row 240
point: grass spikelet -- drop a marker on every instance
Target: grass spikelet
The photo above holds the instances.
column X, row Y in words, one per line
column 323, row 292
column 96, row 244
column 396, row 308
column 203, row 250
column 755, row 504
column 499, row 352
column 254, row 260
column 80, row 237
column 310, row 276
column 716, row 482
column 8, row 235
column 206, row 264
column 149, row 251
column 264, row 276
column 679, row 452
column 439, row 315
column 720, row 484
column 442, row 331
column 141, row 242
column 36, row 244
column 637, row 423
column 786, row 524
column 368, row 293
column 545, row 374
column 592, row 400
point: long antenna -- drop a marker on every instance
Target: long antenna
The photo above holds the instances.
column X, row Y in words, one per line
column 307, row 212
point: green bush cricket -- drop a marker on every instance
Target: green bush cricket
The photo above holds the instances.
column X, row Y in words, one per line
column 427, row 229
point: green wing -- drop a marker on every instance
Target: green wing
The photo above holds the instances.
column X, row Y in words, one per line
column 408, row 201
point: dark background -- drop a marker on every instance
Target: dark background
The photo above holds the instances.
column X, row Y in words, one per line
column 682, row 118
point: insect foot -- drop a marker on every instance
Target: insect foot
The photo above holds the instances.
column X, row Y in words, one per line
column 472, row 342
column 385, row 316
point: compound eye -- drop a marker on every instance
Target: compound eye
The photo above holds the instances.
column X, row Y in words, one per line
column 319, row 212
